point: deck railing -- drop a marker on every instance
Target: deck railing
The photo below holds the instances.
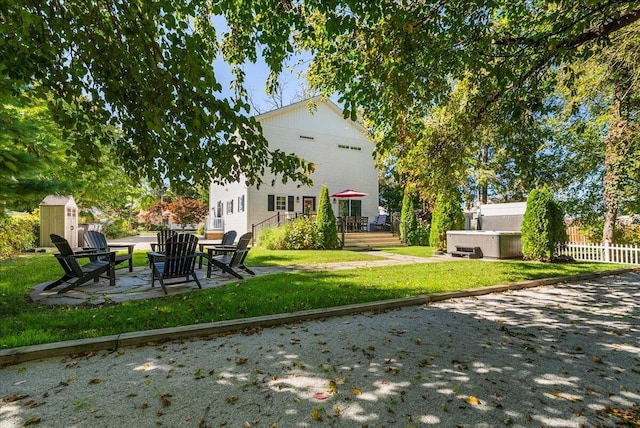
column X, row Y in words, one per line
column 606, row 252
column 215, row 224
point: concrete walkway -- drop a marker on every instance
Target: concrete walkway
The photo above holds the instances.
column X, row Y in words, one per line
column 552, row 356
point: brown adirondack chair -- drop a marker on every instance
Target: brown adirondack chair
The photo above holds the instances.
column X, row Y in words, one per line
column 231, row 257
column 76, row 274
column 94, row 240
column 177, row 262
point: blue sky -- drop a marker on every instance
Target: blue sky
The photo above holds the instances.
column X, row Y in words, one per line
column 256, row 74
column 256, row 79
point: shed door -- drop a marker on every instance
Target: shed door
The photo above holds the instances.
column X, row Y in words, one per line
column 71, row 226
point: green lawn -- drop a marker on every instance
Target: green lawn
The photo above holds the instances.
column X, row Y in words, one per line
column 24, row 323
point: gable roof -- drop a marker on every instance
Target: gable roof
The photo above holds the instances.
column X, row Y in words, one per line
column 305, row 104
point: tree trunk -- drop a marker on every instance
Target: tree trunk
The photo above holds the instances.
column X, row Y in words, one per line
column 614, row 156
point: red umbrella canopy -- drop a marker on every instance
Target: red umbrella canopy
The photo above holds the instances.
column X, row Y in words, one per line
column 348, row 193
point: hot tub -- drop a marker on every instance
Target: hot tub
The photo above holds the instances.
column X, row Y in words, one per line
column 495, row 244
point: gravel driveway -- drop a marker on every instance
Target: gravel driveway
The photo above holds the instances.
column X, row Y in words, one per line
column 557, row 356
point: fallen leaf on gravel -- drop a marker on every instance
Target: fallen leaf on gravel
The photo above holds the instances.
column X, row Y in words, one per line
column 232, row 399
column 165, row 399
column 95, row 381
column 356, row 391
column 31, row 421
column 12, row 398
column 316, row 414
column 333, row 387
column 597, row 360
column 321, row 395
column 473, row 400
column 144, row 406
column 241, row 361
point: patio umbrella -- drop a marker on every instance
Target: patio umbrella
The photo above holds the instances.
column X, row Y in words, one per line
column 348, row 194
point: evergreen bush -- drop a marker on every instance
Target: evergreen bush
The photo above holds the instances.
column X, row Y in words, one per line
column 408, row 219
column 419, row 236
column 326, row 222
column 447, row 215
column 542, row 226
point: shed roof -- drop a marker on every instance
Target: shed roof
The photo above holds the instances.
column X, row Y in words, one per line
column 58, row 200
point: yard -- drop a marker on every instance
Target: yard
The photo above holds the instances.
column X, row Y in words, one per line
column 25, row 323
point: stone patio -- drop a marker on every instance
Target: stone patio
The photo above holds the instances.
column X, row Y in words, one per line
column 134, row 285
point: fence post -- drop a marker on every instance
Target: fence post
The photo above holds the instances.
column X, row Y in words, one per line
column 606, row 250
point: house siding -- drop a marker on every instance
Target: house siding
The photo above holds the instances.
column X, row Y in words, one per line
column 342, row 155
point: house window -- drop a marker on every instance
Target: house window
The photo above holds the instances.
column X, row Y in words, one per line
column 230, row 207
column 241, row 204
column 219, row 211
column 279, row 203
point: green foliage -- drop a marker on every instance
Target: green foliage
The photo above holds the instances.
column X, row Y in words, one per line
column 408, row 219
column 272, row 238
column 18, row 234
column 420, row 235
column 628, row 234
column 118, row 228
column 542, row 226
column 146, row 68
column 447, row 215
column 326, row 221
column 299, row 234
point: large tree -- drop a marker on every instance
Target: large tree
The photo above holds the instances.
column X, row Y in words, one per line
column 145, row 67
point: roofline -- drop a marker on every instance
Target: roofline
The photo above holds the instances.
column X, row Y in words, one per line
column 315, row 100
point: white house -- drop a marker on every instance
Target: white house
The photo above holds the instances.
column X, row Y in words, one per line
column 343, row 158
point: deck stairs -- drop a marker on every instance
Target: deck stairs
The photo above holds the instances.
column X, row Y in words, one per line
column 370, row 240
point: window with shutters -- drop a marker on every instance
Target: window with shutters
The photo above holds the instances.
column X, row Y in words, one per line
column 281, row 203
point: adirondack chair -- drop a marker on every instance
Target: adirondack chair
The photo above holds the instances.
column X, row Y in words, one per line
column 227, row 239
column 158, row 247
column 76, row 274
column 232, row 257
column 177, row 262
column 163, row 235
column 97, row 241
column 382, row 223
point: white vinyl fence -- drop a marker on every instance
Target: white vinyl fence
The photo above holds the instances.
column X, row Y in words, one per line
column 607, row 253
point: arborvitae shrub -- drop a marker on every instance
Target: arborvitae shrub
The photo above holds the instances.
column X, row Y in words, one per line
column 326, row 222
column 408, row 220
column 447, row 215
column 542, row 226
